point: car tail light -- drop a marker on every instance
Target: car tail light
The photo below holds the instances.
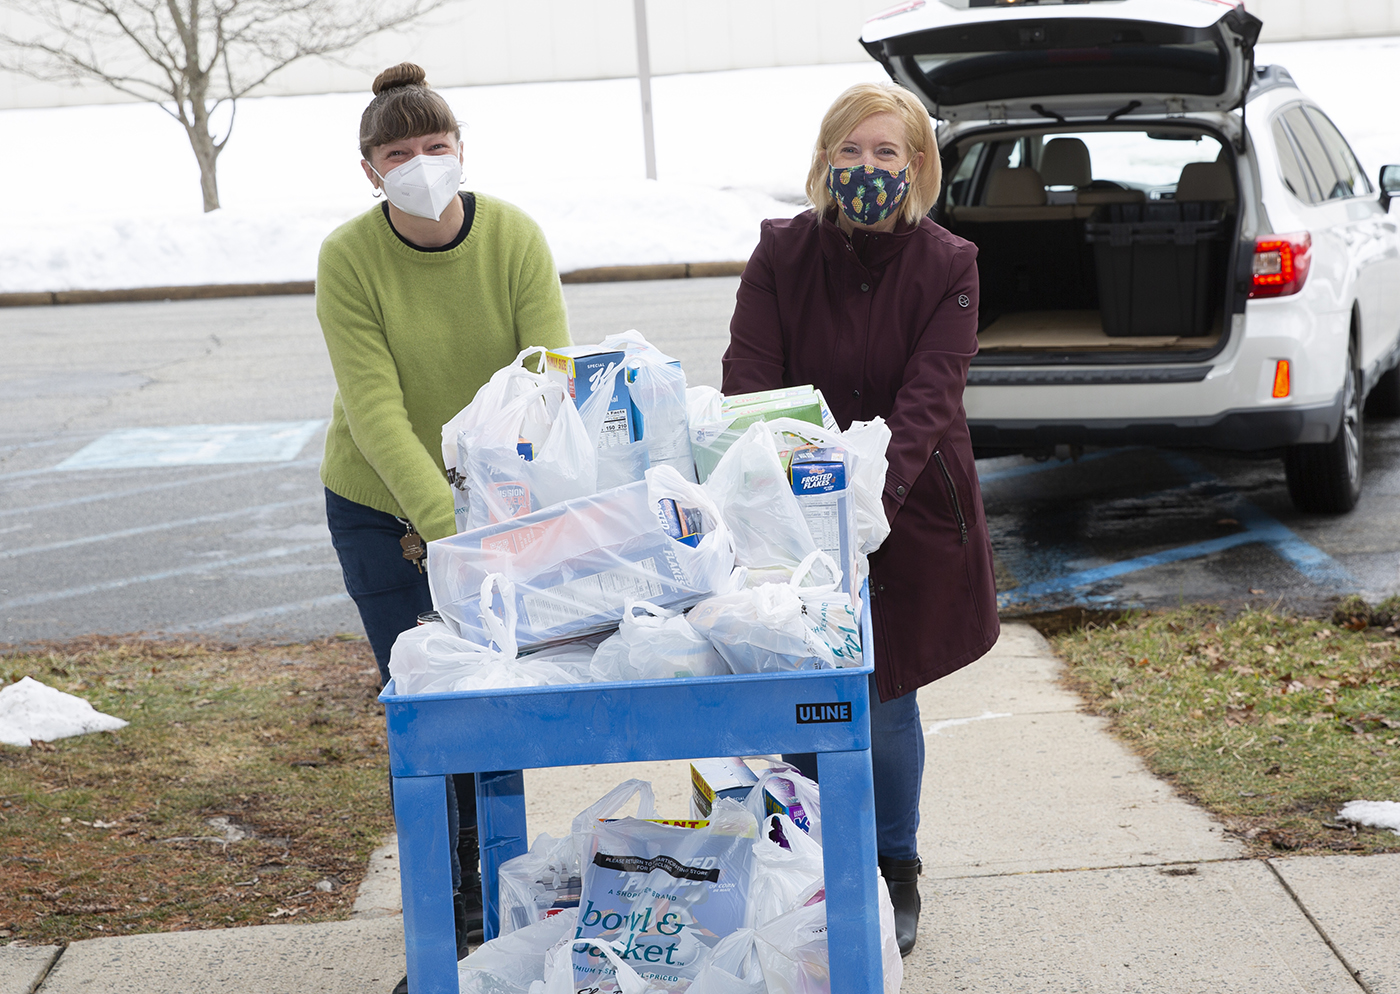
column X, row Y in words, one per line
column 1281, row 264
column 1282, row 380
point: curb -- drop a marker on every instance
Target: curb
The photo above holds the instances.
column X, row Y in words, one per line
column 601, row 274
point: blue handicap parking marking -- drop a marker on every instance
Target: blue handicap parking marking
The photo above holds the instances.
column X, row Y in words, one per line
column 194, row 445
column 1258, row 527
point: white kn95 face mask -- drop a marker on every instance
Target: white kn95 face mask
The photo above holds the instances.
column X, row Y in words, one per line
column 424, row 185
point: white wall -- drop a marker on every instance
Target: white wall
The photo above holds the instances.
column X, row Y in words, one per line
column 1293, row 20
column 473, row 42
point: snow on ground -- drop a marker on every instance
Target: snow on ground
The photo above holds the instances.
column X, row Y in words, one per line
column 32, row 710
column 107, row 196
column 1373, row 814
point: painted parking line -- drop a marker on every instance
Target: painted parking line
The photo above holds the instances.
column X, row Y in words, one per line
column 311, row 604
column 194, row 445
column 207, row 567
column 154, row 487
column 1259, row 527
column 203, row 519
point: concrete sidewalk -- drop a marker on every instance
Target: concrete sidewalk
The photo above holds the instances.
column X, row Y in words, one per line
column 1054, row 862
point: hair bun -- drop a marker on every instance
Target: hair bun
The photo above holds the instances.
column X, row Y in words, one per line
column 403, row 74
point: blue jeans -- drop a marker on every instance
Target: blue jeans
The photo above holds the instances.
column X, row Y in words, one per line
column 897, row 766
column 390, row 594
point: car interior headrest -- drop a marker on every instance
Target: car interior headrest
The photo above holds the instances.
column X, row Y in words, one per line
column 1065, row 162
column 1020, row 187
column 1205, row 181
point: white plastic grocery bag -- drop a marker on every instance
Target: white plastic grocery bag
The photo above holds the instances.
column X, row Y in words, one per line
column 548, row 877
column 501, row 483
column 657, row 385
column 655, row 644
column 792, row 948
column 506, row 385
column 431, row 659
column 575, row 564
column 732, row 968
column 868, row 441
column 765, row 629
column 625, row 980
column 751, row 489
column 664, row 893
column 510, row 964
column 804, row 794
column 783, row 877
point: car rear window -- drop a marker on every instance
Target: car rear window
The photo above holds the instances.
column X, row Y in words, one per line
column 1126, row 159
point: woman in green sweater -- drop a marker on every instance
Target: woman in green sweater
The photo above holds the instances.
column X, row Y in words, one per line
column 420, row 300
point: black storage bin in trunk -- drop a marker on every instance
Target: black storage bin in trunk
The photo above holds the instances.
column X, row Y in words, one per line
column 1158, row 266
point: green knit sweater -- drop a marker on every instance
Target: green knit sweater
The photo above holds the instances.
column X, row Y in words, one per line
column 412, row 336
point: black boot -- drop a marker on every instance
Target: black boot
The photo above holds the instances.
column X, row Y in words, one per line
column 461, row 920
column 902, row 877
column 471, row 918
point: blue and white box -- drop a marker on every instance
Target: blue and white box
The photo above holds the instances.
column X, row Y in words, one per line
column 820, row 481
column 582, row 369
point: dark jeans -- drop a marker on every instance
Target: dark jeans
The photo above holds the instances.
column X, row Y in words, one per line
column 390, row 594
column 897, row 767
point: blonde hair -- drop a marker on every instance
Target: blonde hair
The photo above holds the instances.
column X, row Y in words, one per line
column 854, row 106
column 404, row 106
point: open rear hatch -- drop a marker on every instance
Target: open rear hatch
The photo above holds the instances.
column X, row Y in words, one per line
column 991, row 60
column 1087, row 256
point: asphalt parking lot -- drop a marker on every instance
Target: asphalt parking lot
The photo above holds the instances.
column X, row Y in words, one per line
column 158, row 473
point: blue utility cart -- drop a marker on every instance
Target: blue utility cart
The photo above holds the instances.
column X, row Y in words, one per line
column 498, row 733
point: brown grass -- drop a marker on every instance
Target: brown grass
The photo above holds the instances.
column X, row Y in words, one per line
column 111, row 833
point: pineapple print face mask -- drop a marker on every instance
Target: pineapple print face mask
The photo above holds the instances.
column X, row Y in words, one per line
column 867, row 194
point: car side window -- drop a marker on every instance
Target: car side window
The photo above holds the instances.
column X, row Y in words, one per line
column 960, row 186
column 1328, row 182
column 1295, row 177
column 1349, row 172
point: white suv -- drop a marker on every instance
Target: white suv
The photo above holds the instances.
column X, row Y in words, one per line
column 1175, row 248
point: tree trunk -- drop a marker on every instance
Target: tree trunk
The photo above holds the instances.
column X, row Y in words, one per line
column 206, row 152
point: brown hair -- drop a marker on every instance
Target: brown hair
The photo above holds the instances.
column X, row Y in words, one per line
column 854, row 106
column 404, row 106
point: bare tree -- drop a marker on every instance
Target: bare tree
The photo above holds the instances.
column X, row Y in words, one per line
column 190, row 56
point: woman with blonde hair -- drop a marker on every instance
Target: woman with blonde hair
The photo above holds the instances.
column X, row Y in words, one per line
column 875, row 304
column 420, row 300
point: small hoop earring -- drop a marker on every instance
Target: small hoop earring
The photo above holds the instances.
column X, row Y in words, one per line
column 378, row 192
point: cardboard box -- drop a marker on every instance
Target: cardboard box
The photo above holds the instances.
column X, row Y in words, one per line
column 712, row 440
column 582, row 368
column 715, row 778
column 819, row 478
column 780, row 799
column 684, row 524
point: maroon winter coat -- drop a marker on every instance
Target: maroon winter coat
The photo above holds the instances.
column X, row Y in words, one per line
column 886, row 324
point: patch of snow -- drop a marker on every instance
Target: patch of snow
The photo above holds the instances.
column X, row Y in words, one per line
column 938, row 726
column 1372, row 814
column 32, row 710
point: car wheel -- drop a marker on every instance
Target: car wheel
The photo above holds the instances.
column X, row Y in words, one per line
column 1384, row 401
column 1325, row 478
